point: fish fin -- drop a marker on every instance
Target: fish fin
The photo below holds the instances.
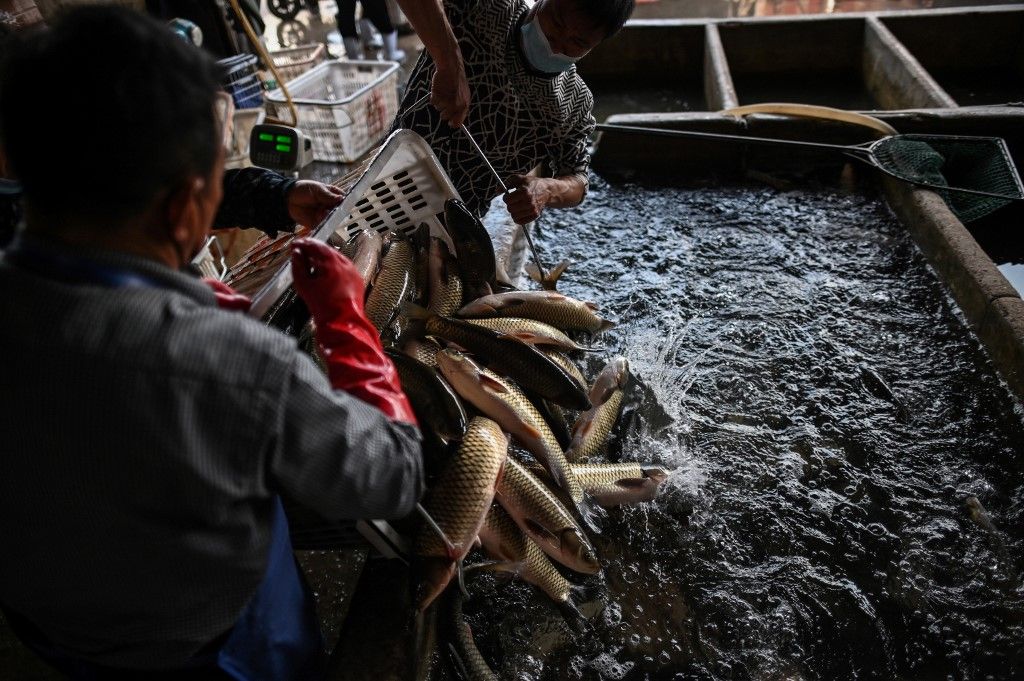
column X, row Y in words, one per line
column 460, row 666
column 550, row 282
column 542, row 531
column 581, row 428
column 500, row 476
column 492, row 384
column 572, row 616
column 461, row 574
column 414, row 311
column 512, row 568
column 631, row 483
column 591, row 514
column 659, row 475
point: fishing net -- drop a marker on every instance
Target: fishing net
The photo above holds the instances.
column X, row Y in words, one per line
column 955, row 167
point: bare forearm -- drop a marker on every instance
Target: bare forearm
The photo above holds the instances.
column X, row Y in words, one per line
column 565, row 191
column 433, row 28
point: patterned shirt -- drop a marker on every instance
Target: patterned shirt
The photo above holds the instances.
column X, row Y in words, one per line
column 145, row 435
column 518, row 116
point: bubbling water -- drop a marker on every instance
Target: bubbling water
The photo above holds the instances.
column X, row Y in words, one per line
column 826, row 416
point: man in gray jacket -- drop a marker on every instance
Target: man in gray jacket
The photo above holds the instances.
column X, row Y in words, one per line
column 147, row 434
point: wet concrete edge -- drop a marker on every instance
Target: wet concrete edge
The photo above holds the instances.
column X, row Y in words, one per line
column 993, row 308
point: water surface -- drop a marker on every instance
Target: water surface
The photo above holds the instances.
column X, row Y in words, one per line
column 847, row 501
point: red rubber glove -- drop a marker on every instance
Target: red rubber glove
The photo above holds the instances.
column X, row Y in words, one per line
column 227, row 297
column 333, row 291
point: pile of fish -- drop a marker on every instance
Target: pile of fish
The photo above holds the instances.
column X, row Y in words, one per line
column 485, row 366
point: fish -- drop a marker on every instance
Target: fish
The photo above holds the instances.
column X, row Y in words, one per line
column 308, row 343
column 549, row 282
column 544, row 519
column 590, row 432
column 445, row 286
column 458, row 504
column 365, row 250
column 504, row 541
column 550, row 307
column 471, row 664
column 474, row 249
column 567, row 364
column 435, row 403
column 509, row 407
column 530, row 331
column 424, row 350
column 421, row 244
column 508, row 356
column 554, row 416
column 613, row 484
column 391, row 286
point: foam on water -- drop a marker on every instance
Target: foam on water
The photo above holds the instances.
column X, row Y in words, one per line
column 826, row 415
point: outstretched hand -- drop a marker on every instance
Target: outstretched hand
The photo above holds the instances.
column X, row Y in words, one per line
column 529, row 199
column 310, row 202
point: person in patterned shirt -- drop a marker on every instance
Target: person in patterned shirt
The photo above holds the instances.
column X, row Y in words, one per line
column 505, row 69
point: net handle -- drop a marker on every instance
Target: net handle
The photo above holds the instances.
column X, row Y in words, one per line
column 856, row 149
column 862, row 152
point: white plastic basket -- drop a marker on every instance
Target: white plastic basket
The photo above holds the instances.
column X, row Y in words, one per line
column 244, row 120
column 399, row 188
column 295, row 61
column 345, row 107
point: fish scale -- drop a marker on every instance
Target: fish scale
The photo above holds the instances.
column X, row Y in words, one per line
column 513, row 411
column 463, row 494
column 591, row 430
column 542, row 517
column 562, row 312
column 503, row 540
column 512, row 357
column 365, row 253
column 595, row 475
column 472, row 664
column 612, row 484
column 530, row 331
column 392, row 284
column 445, row 284
column 424, row 350
column 567, row 364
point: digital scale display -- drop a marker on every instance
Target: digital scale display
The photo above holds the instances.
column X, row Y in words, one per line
column 278, row 147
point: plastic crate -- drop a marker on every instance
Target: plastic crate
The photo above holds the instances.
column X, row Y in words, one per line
column 295, row 61
column 240, row 79
column 244, row 121
column 345, row 107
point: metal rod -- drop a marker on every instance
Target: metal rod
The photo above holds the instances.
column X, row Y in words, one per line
column 506, row 190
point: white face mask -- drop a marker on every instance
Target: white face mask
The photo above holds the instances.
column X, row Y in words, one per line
column 538, row 50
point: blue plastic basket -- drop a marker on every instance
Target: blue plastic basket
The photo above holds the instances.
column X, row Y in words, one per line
column 240, row 80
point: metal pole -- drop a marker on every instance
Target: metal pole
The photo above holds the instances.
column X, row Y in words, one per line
column 506, row 190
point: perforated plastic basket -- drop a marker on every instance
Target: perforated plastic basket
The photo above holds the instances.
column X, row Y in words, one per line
column 295, row 61
column 344, row 106
column 400, row 186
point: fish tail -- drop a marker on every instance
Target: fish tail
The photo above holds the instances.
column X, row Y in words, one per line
column 572, row 615
column 550, row 282
column 591, row 514
column 414, row 311
column 606, row 324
